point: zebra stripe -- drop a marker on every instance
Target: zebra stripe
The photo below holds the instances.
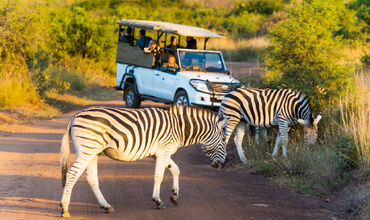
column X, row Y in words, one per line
column 132, row 134
column 264, row 108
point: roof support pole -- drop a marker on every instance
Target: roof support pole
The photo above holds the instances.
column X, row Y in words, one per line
column 205, row 42
column 165, row 40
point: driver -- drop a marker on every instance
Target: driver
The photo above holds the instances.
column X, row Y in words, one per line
column 171, row 62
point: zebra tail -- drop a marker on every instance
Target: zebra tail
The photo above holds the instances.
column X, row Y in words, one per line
column 64, row 151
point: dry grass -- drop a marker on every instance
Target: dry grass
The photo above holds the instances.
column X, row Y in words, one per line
column 227, row 4
column 355, row 53
column 26, row 113
column 16, row 88
column 355, row 112
column 343, row 149
column 239, row 50
column 71, row 83
column 358, row 198
column 231, row 44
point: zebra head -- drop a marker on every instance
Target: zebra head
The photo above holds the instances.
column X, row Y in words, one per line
column 214, row 146
column 310, row 129
column 203, row 127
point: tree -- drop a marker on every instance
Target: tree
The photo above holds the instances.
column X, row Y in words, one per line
column 305, row 55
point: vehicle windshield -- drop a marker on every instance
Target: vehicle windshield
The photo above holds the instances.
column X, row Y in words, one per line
column 203, row 61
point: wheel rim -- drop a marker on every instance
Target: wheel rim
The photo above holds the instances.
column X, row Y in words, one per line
column 130, row 97
column 182, row 100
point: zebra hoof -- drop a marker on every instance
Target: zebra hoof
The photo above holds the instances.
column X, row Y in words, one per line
column 161, row 205
column 65, row 214
column 110, row 209
column 174, row 199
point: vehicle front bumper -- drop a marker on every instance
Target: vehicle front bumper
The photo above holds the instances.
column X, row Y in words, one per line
column 204, row 99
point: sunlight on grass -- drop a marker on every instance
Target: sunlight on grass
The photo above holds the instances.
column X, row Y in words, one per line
column 355, row 112
column 15, row 87
column 239, row 50
column 231, row 44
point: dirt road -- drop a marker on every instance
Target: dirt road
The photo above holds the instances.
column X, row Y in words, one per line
column 30, row 185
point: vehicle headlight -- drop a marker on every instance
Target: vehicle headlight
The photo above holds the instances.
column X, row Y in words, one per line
column 200, row 85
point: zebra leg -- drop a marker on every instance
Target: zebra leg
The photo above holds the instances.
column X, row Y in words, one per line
column 175, row 187
column 277, row 143
column 92, row 179
column 256, row 135
column 160, row 166
column 285, row 142
column 260, row 131
column 238, row 139
column 73, row 174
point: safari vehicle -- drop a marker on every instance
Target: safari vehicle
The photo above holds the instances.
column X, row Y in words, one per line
column 200, row 78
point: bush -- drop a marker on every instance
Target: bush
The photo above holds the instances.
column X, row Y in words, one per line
column 304, row 54
column 15, row 86
column 77, row 33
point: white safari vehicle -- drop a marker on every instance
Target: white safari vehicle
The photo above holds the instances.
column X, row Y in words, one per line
column 200, row 77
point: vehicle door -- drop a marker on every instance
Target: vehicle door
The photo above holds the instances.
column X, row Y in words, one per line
column 165, row 84
column 144, row 80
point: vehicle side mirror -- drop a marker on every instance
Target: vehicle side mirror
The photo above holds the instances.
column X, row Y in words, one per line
column 227, row 71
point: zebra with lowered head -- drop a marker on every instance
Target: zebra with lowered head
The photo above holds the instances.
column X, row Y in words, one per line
column 264, row 108
column 132, row 134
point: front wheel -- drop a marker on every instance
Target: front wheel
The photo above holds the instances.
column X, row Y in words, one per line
column 131, row 97
column 181, row 98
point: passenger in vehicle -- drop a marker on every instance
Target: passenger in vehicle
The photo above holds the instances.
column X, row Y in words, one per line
column 155, row 49
column 173, row 44
column 127, row 37
column 191, row 43
column 143, row 41
column 171, row 62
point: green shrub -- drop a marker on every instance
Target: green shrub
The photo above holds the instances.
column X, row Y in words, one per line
column 304, row 55
column 347, row 154
column 78, row 33
column 258, row 6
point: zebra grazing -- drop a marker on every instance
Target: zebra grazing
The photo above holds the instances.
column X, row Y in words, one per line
column 132, row 134
column 267, row 108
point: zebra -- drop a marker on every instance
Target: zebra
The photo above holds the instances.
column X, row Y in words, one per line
column 131, row 134
column 264, row 108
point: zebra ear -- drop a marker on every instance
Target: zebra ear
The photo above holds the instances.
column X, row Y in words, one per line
column 221, row 124
column 301, row 121
column 317, row 119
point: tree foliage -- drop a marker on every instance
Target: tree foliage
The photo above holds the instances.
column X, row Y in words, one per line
column 305, row 55
column 37, row 35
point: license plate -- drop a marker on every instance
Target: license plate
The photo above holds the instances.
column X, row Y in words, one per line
column 219, row 97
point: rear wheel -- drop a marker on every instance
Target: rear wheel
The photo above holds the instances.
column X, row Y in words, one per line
column 131, row 97
column 181, row 98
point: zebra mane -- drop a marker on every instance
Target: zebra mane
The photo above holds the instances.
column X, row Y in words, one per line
column 191, row 111
column 304, row 98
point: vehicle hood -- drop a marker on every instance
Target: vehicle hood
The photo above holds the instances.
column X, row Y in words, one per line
column 212, row 77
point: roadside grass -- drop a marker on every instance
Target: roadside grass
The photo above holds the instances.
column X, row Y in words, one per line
column 247, row 50
column 15, row 86
column 343, row 148
column 26, row 95
column 357, row 199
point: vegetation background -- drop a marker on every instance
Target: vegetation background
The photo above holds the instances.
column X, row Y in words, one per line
column 58, row 54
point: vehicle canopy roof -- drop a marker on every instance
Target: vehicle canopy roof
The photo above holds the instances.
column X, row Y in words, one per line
column 171, row 28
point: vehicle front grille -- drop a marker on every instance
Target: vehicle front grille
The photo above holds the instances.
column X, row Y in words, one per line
column 222, row 87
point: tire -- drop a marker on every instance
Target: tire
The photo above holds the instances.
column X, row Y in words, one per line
column 181, row 97
column 131, row 97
